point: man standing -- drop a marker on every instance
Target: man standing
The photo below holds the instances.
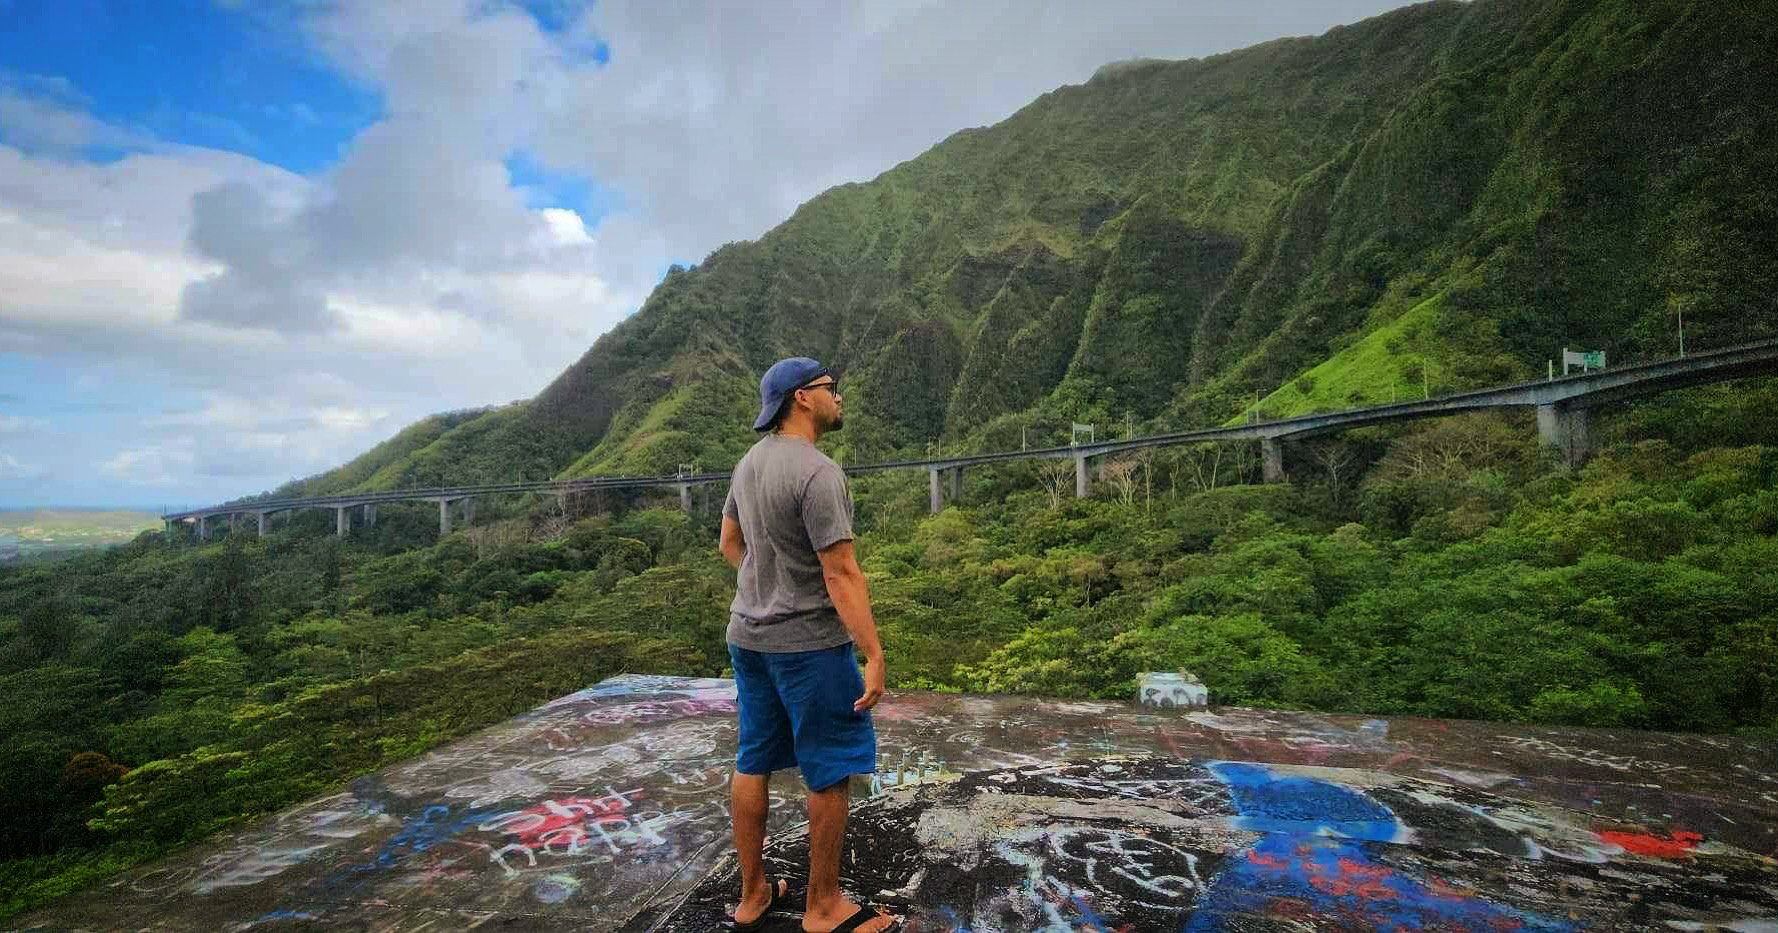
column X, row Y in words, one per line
column 800, row 609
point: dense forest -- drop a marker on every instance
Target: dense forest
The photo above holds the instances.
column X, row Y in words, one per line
column 1431, row 200
column 161, row 691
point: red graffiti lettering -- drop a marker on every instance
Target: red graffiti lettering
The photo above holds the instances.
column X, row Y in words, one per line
column 1678, row 845
column 556, row 815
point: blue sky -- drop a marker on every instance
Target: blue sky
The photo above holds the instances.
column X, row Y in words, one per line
column 193, row 72
column 242, row 241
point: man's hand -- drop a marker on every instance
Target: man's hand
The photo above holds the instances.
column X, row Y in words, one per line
column 873, row 685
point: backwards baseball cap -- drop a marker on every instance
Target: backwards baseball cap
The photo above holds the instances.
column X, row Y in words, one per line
column 785, row 377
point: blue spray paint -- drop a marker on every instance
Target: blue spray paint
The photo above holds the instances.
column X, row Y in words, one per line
column 1311, row 862
column 420, row 833
column 1268, row 803
column 1088, row 918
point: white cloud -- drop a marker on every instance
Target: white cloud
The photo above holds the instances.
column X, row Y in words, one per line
column 13, row 423
column 40, row 122
column 12, row 470
column 310, row 317
column 164, row 464
column 343, row 417
column 564, row 227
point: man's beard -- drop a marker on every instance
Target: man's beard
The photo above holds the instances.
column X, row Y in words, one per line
column 838, row 422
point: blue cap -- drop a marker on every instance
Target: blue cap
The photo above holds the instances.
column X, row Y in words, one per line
column 785, row 377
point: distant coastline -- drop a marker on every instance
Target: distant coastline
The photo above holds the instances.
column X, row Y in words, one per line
column 47, row 533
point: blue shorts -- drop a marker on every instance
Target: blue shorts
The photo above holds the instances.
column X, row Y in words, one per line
column 796, row 711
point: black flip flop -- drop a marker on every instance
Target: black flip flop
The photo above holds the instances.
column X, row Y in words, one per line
column 759, row 923
column 863, row 916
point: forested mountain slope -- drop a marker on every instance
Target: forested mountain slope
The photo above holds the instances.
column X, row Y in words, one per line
column 1172, row 239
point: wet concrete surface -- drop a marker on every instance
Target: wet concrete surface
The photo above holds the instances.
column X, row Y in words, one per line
column 608, row 809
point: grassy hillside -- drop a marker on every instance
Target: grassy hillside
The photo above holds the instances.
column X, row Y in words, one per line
column 362, row 472
column 1442, row 195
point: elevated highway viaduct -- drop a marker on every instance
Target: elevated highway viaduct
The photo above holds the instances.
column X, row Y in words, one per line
column 1563, row 406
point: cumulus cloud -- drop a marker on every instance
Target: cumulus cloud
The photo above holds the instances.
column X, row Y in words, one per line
column 164, row 464
column 263, row 283
column 722, row 121
column 311, row 316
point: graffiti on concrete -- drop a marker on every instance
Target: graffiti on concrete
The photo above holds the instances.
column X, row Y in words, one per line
column 1595, row 757
column 1310, row 864
column 1245, row 845
column 298, row 836
column 612, row 803
column 500, row 785
column 582, row 829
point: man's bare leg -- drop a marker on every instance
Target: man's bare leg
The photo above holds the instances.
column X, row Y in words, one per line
column 827, row 907
column 748, row 803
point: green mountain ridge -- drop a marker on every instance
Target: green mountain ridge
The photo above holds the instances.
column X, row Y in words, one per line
column 1172, row 240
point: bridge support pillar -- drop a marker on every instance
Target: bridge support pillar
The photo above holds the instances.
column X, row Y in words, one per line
column 264, row 520
column 685, row 498
column 342, row 520
column 956, row 485
column 1565, row 429
column 370, row 515
column 234, row 522
column 1082, row 484
column 203, row 528
column 444, row 517
column 1271, row 454
column 167, row 531
column 937, row 491
column 468, row 510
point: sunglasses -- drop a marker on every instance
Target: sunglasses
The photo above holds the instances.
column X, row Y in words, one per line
column 833, row 386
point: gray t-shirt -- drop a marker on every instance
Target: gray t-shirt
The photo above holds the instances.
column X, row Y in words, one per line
column 791, row 501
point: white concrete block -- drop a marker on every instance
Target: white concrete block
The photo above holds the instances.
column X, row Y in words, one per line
column 1170, row 689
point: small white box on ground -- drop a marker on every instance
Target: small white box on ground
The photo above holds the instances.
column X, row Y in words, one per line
column 1170, row 689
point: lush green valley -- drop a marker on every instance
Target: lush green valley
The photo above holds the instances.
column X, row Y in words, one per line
column 1435, row 199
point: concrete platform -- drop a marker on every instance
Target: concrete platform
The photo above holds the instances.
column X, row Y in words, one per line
column 607, row 810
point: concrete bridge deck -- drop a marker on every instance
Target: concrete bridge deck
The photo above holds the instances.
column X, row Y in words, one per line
column 607, row 810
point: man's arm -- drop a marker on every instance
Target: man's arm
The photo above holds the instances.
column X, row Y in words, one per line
column 733, row 544
column 851, row 599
